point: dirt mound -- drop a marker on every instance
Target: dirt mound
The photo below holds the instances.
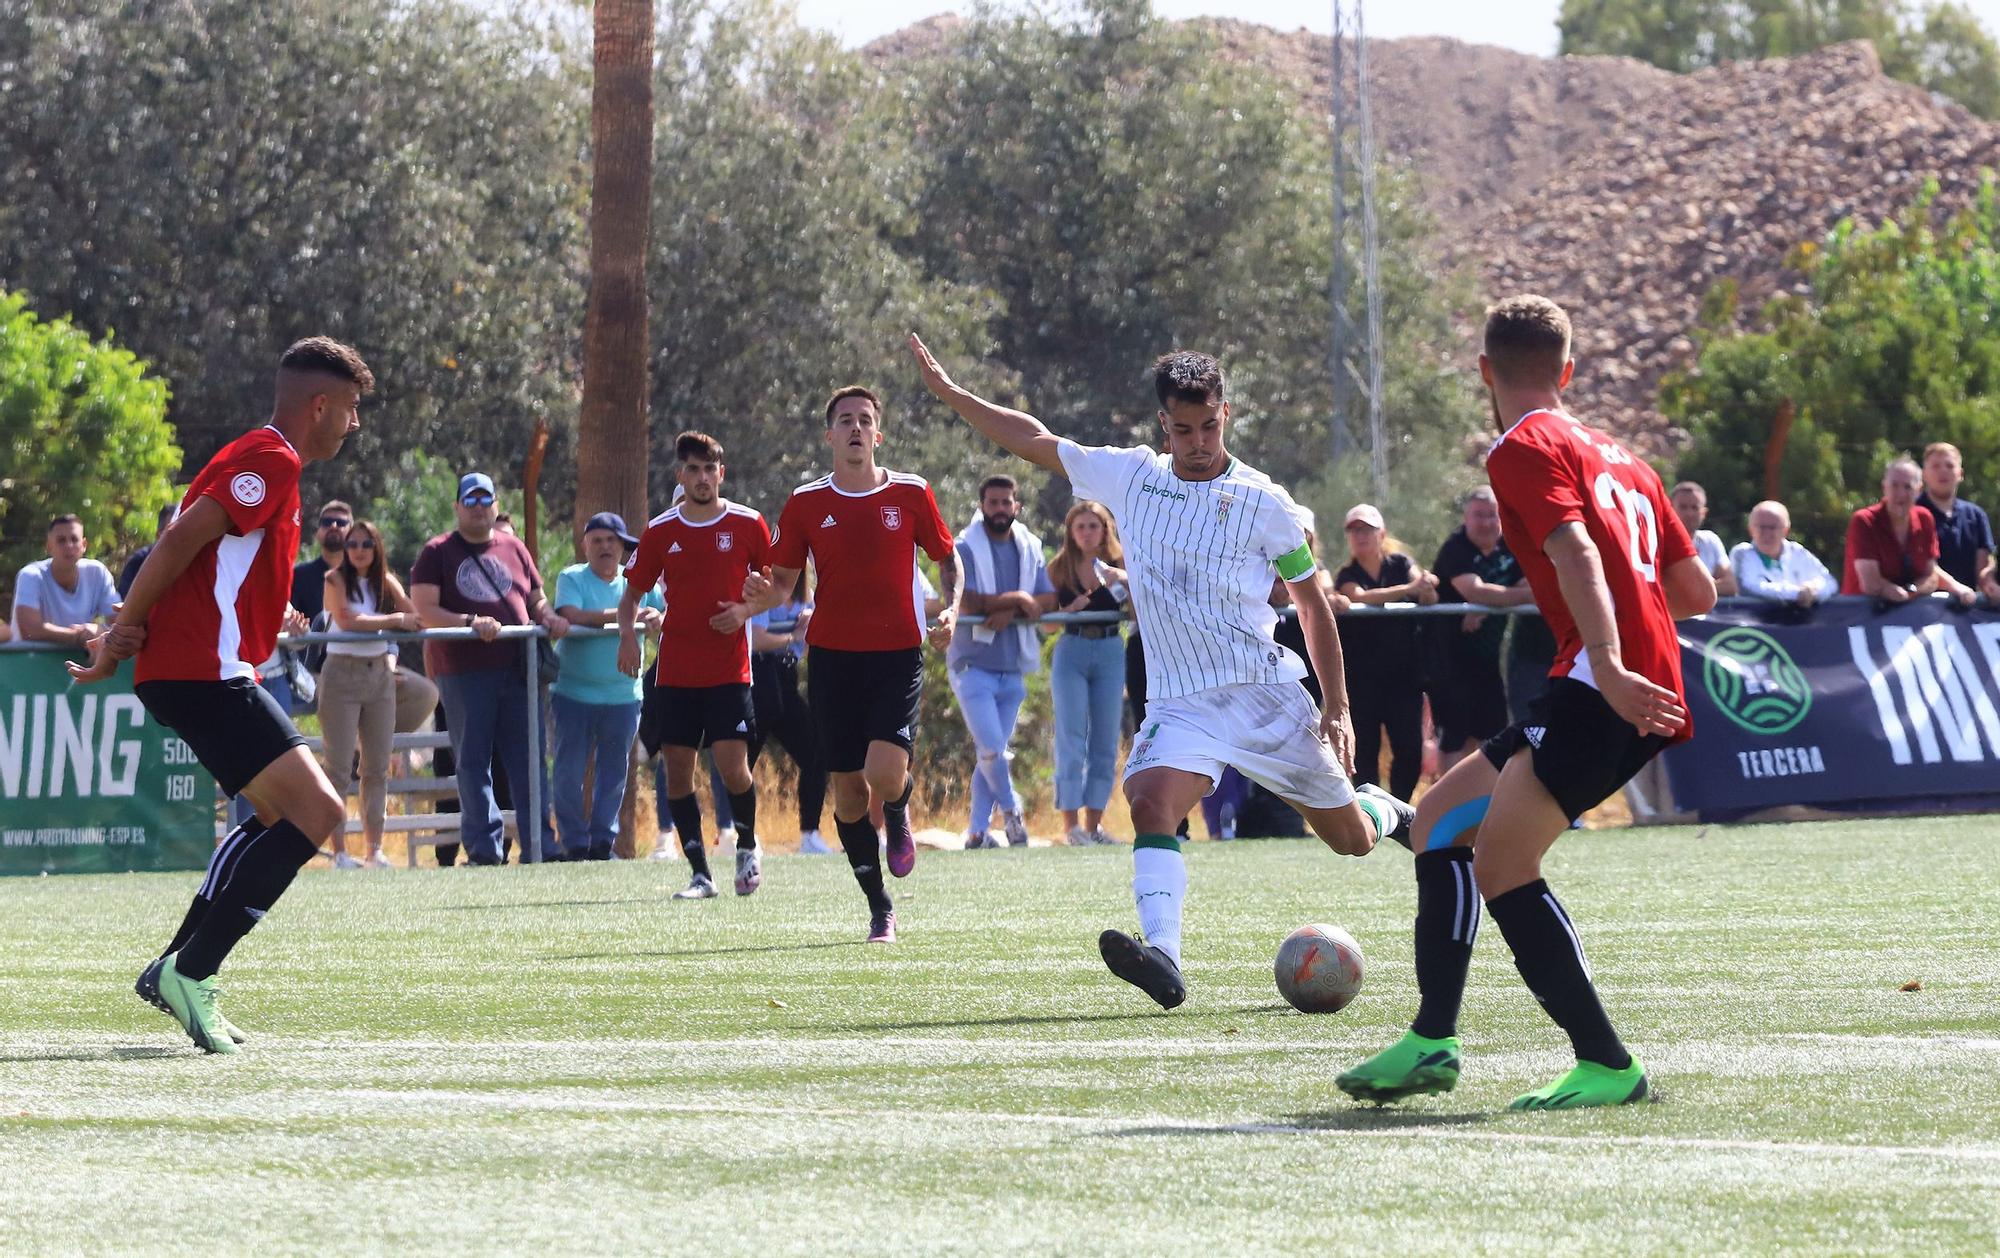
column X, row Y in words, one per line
column 1621, row 190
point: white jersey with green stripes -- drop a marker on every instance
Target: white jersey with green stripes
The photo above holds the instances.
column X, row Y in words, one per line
column 1201, row 555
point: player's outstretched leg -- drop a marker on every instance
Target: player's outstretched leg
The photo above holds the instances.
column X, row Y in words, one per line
column 220, row 864
column 1354, row 828
column 1426, row 1059
column 1524, row 821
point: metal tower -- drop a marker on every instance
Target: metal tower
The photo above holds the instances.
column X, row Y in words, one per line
column 1357, row 344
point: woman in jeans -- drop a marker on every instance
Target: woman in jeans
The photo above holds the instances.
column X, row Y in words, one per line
column 357, row 685
column 1087, row 677
column 1384, row 681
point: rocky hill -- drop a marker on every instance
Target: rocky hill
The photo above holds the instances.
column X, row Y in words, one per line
column 1619, row 189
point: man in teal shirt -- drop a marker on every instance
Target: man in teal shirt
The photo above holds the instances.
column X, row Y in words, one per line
column 596, row 707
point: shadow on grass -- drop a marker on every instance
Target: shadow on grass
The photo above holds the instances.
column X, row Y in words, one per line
column 704, row 952
column 543, row 904
column 1040, row 1019
column 114, row 1053
column 1370, row 1119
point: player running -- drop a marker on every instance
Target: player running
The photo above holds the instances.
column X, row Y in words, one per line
column 704, row 545
column 1612, row 568
column 862, row 526
column 205, row 609
column 1203, row 535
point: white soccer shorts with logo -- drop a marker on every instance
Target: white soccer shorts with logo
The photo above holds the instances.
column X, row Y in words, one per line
column 1268, row 732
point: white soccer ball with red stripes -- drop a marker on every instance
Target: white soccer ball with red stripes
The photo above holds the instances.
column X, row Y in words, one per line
column 1319, row 969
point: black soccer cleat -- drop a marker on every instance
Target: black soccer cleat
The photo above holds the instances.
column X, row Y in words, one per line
column 1146, row 968
column 1406, row 814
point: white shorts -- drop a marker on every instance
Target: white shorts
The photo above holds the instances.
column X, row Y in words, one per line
column 1268, row 733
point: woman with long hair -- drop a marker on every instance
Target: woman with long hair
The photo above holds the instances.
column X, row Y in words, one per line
column 357, row 685
column 1384, row 678
column 1087, row 676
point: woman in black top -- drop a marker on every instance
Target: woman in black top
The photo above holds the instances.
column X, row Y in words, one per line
column 1384, row 674
column 1087, row 674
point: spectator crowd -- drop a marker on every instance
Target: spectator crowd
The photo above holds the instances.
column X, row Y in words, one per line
column 1424, row 690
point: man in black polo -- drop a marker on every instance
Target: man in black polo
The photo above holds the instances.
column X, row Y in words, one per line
column 1964, row 533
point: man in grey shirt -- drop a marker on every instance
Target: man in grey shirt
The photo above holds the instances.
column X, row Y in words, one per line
column 60, row 599
column 1006, row 589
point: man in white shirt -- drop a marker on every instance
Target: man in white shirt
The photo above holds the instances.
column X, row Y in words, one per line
column 1204, row 536
column 1691, row 505
column 60, row 599
column 1770, row 565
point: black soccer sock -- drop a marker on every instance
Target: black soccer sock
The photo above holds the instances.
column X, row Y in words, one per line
column 864, row 856
column 252, row 885
column 1550, row 958
column 743, row 807
column 901, row 803
column 687, row 828
column 220, row 863
column 1447, row 923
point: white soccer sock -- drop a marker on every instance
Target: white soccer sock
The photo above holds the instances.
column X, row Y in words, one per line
column 1378, row 812
column 1159, row 884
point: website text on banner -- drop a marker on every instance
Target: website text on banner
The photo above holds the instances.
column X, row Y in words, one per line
column 88, row 782
column 1849, row 707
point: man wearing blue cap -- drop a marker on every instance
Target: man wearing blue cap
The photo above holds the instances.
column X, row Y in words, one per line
column 476, row 577
column 596, row 707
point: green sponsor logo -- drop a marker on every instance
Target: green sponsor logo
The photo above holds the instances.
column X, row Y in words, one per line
column 1754, row 682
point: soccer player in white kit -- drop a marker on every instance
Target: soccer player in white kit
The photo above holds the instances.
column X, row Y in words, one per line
column 1204, row 535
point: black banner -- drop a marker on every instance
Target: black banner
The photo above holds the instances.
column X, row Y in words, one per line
column 1843, row 705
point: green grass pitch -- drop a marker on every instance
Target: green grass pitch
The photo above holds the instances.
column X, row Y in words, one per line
column 562, row 1061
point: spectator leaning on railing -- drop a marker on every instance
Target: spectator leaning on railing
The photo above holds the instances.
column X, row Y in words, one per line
column 476, row 577
column 357, row 684
column 1384, row 685
column 60, row 599
column 1892, row 545
column 1965, row 534
column 1772, row 566
column 1475, row 566
column 1690, row 503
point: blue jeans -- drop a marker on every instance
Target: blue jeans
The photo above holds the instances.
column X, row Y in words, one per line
column 990, row 703
column 240, row 808
column 487, row 709
column 1087, row 681
column 584, row 729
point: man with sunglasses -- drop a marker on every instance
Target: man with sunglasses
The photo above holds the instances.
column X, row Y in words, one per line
column 309, row 578
column 480, row 578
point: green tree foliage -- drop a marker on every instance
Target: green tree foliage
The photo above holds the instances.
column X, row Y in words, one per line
column 218, row 178
column 1125, row 191
column 82, row 429
column 1940, row 45
column 1894, row 347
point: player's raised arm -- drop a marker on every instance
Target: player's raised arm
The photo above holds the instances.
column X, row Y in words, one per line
column 1016, row 431
column 1650, row 707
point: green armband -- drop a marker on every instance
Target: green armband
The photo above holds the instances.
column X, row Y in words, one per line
column 1298, row 563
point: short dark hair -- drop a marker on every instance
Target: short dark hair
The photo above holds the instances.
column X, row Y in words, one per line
column 1527, row 339
column 1186, row 376
column 59, row 521
column 697, row 445
column 999, row 480
column 323, row 355
column 335, row 504
column 853, row 390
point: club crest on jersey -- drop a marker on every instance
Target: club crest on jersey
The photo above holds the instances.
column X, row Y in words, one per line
column 247, row 488
column 1223, row 503
column 725, row 541
column 892, row 517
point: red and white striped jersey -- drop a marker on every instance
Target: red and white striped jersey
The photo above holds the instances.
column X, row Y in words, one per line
column 220, row 618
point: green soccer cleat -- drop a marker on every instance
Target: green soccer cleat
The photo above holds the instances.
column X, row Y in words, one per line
column 1413, row 1066
column 148, row 988
column 1589, row 1085
column 192, row 1003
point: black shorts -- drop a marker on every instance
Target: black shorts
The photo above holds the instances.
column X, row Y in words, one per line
column 699, row 716
column 1477, row 708
column 862, row 697
column 1583, row 751
column 235, row 728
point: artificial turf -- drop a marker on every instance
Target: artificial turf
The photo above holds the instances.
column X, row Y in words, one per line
column 562, row 1060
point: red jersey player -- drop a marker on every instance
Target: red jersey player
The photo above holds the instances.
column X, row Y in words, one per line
column 701, row 549
column 862, row 526
column 204, row 610
column 1612, row 568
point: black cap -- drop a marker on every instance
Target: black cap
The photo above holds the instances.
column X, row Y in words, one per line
column 613, row 523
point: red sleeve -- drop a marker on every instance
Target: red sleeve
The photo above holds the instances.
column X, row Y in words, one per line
column 643, row 572
column 933, row 534
column 251, row 488
column 1859, row 535
column 760, row 544
column 529, row 568
column 429, row 567
column 1538, row 485
column 789, row 549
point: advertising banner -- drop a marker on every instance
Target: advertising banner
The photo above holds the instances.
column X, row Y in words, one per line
column 88, row 782
column 1843, row 705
